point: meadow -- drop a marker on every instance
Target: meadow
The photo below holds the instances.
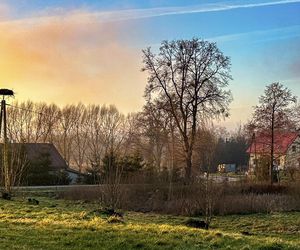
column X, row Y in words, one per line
column 59, row 224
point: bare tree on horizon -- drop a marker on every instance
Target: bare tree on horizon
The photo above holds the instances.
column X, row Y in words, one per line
column 192, row 76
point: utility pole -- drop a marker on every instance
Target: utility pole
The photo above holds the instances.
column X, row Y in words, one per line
column 3, row 119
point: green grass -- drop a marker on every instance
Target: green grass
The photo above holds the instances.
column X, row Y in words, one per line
column 58, row 224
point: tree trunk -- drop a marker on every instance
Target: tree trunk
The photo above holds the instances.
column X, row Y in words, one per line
column 188, row 168
column 272, row 150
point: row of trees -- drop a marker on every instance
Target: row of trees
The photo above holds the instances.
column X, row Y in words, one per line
column 82, row 134
column 86, row 135
column 186, row 90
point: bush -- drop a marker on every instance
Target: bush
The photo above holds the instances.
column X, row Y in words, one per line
column 81, row 193
column 232, row 198
column 264, row 188
column 196, row 223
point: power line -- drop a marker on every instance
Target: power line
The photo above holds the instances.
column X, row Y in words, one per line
column 24, row 109
column 32, row 111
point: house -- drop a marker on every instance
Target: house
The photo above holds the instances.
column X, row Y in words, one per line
column 36, row 150
column 227, row 168
column 74, row 175
column 39, row 153
column 286, row 150
column 57, row 162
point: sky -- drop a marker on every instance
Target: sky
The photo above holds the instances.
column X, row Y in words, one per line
column 90, row 51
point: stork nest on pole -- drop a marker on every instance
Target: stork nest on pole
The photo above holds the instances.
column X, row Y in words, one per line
column 6, row 92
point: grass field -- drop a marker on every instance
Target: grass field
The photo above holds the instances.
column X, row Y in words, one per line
column 58, row 224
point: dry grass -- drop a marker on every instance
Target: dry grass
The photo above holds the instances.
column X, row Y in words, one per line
column 58, row 224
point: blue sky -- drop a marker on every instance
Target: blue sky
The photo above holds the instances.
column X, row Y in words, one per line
column 262, row 37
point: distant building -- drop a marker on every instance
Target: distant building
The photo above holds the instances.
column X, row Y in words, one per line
column 227, row 168
column 57, row 164
column 34, row 150
column 286, row 150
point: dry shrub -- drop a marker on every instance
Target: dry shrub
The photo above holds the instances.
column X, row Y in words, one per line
column 263, row 188
column 229, row 198
column 89, row 193
column 257, row 203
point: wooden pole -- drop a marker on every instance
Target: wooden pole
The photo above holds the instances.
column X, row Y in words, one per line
column 5, row 148
column 5, row 161
column 2, row 148
column 1, row 112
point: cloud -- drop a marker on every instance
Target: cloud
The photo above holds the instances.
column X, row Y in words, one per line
column 130, row 14
column 261, row 35
column 70, row 60
column 66, row 57
column 4, row 11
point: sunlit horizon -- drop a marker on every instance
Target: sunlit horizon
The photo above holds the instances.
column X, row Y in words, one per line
column 90, row 51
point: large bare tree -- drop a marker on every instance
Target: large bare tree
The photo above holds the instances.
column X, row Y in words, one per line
column 192, row 76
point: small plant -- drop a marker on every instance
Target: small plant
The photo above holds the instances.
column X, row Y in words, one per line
column 105, row 212
column 112, row 212
column 196, row 223
column 246, row 233
column 83, row 215
column 246, row 248
column 272, row 246
column 33, row 201
column 6, row 196
column 114, row 219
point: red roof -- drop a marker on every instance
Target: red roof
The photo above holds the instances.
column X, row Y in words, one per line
column 282, row 141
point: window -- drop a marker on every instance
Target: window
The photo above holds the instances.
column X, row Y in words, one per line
column 294, row 148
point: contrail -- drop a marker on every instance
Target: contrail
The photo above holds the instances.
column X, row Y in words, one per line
column 131, row 14
column 260, row 35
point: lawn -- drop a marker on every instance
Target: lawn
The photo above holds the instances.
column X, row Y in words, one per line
column 57, row 224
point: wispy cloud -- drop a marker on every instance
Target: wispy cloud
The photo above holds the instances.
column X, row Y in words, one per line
column 131, row 14
column 4, row 11
column 121, row 15
column 260, row 35
column 257, row 36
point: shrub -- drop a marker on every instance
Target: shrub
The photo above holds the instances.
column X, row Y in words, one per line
column 233, row 198
column 196, row 223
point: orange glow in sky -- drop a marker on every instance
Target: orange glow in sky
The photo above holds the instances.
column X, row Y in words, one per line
column 70, row 59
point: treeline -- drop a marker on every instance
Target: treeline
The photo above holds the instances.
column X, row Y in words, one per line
column 92, row 138
column 187, row 88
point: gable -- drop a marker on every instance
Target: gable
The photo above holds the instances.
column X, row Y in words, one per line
column 35, row 150
column 282, row 142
